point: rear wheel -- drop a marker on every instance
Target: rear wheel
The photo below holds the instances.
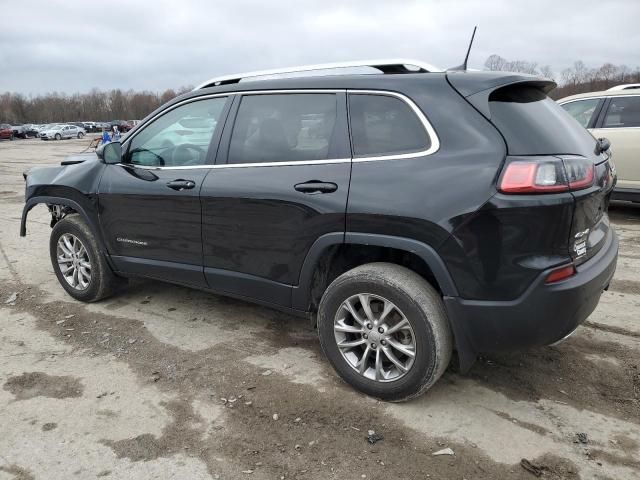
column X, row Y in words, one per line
column 11, row 137
column 80, row 134
column 77, row 261
column 385, row 331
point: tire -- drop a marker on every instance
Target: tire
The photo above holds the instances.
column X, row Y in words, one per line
column 11, row 138
column 80, row 135
column 58, row 136
column 416, row 300
column 102, row 282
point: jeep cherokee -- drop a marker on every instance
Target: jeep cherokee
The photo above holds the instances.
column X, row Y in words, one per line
column 407, row 212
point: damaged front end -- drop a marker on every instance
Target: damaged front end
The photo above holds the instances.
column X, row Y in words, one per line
column 67, row 188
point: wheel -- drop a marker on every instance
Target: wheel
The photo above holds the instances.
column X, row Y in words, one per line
column 80, row 134
column 58, row 136
column 11, row 138
column 81, row 268
column 385, row 331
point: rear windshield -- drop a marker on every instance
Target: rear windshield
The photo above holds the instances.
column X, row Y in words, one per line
column 533, row 124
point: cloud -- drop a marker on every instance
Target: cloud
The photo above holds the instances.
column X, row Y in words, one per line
column 69, row 46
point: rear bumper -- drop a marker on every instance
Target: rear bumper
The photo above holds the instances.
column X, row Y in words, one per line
column 543, row 315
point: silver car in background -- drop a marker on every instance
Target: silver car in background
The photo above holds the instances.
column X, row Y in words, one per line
column 58, row 132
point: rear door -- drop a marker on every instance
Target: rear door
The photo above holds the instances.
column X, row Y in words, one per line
column 280, row 182
column 621, row 125
column 149, row 204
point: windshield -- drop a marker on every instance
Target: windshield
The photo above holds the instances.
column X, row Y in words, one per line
column 533, row 124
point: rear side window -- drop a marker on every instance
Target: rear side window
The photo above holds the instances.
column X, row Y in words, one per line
column 283, row 128
column 533, row 124
column 384, row 125
column 623, row 112
column 582, row 110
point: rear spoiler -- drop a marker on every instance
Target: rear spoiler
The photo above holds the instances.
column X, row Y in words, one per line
column 476, row 87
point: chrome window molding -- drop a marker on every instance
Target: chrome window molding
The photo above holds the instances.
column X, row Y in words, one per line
column 429, row 130
column 241, row 165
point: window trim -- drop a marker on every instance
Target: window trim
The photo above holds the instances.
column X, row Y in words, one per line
column 593, row 121
column 429, row 130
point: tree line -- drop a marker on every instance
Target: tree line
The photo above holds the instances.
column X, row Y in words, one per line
column 98, row 105
column 578, row 78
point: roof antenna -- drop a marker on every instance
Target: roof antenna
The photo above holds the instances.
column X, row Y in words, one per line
column 463, row 67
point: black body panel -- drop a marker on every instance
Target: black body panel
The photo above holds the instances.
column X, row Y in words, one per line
column 142, row 217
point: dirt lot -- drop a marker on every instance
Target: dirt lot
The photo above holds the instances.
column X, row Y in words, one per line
column 165, row 382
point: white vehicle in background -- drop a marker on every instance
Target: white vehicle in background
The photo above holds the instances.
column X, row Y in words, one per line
column 615, row 115
column 60, row 131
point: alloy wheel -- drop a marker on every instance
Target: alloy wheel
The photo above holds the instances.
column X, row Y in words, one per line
column 73, row 261
column 374, row 337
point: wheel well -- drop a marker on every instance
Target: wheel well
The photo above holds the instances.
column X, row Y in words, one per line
column 338, row 259
column 58, row 212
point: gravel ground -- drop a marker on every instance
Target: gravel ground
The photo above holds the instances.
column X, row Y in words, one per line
column 165, row 382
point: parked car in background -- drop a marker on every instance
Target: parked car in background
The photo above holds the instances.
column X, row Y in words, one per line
column 18, row 130
column 121, row 124
column 614, row 114
column 30, row 130
column 58, row 132
column 407, row 212
column 6, row 131
column 90, row 126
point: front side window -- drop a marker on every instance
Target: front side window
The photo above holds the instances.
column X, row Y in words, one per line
column 180, row 137
column 582, row 110
column 283, row 128
column 384, row 125
column 623, row 112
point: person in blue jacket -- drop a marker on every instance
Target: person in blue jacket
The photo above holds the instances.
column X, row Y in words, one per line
column 105, row 136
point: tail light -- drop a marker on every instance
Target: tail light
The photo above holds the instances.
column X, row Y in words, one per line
column 546, row 175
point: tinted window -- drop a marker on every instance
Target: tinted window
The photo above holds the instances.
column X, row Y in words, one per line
column 623, row 112
column 180, row 137
column 384, row 125
column 282, row 128
column 582, row 110
column 533, row 124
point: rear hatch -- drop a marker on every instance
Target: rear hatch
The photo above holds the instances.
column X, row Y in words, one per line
column 536, row 128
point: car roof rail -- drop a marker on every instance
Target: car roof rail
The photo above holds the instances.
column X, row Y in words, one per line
column 625, row 86
column 398, row 65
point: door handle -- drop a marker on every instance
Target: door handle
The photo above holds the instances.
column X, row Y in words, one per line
column 316, row 186
column 181, row 184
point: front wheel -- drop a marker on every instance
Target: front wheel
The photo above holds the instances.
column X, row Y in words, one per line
column 58, row 136
column 385, row 331
column 80, row 135
column 77, row 261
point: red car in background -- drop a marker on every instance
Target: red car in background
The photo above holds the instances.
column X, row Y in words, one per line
column 6, row 131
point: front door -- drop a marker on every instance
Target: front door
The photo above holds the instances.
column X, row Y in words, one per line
column 280, row 182
column 149, row 204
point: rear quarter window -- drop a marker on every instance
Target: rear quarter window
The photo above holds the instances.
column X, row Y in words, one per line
column 533, row 124
column 383, row 125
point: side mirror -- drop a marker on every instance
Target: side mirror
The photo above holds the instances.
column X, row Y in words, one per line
column 110, row 153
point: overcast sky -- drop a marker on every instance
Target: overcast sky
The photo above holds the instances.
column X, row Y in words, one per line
column 72, row 46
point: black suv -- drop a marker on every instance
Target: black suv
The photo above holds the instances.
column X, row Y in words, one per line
column 410, row 212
